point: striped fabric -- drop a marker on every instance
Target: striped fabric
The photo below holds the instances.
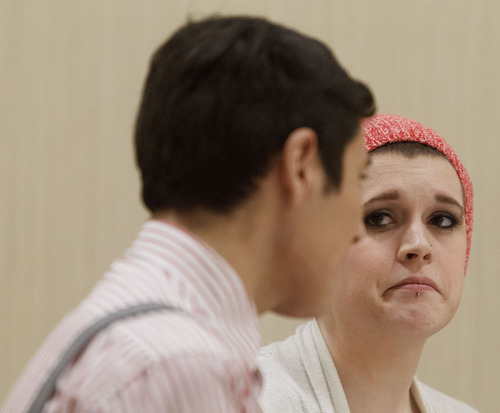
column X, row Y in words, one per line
column 201, row 359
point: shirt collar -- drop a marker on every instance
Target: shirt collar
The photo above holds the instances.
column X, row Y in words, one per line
column 183, row 254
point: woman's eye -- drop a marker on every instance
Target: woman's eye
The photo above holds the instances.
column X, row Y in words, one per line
column 378, row 219
column 445, row 221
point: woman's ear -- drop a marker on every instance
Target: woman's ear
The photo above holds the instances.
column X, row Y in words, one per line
column 302, row 168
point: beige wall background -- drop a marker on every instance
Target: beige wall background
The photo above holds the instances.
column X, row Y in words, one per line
column 71, row 73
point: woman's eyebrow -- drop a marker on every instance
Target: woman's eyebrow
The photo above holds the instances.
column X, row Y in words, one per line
column 385, row 196
column 449, row 200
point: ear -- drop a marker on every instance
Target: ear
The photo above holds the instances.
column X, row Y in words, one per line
column 301, row 164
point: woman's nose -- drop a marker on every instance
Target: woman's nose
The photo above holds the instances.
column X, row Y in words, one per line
column 415, row 244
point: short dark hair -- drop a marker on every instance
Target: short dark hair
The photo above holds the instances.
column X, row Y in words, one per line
column 222, row 96
column 410, row 149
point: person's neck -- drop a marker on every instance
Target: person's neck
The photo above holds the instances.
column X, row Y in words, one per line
column 376, row 371
column 241, row 239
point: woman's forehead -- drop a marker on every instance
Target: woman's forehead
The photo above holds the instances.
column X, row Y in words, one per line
column 422, row 173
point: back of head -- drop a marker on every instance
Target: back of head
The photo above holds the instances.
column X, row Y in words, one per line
column 221, row 98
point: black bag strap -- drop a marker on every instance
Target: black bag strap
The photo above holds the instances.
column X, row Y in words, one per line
column 78, row 345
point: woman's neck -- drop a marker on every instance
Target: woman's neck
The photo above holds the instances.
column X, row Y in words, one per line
column 376, row 371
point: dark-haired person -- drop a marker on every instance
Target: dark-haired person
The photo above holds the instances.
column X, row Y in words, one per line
column 249, row 145
column 398, row 284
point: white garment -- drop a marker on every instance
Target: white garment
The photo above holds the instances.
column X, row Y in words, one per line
column 300, row 377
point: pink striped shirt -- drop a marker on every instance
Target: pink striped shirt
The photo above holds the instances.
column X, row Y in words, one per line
column 202, row 359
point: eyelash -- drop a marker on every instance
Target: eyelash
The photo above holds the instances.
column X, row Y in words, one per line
column 380, row 214
column 446, row 215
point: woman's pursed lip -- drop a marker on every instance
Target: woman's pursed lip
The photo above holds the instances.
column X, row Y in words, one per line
column 416, row 284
